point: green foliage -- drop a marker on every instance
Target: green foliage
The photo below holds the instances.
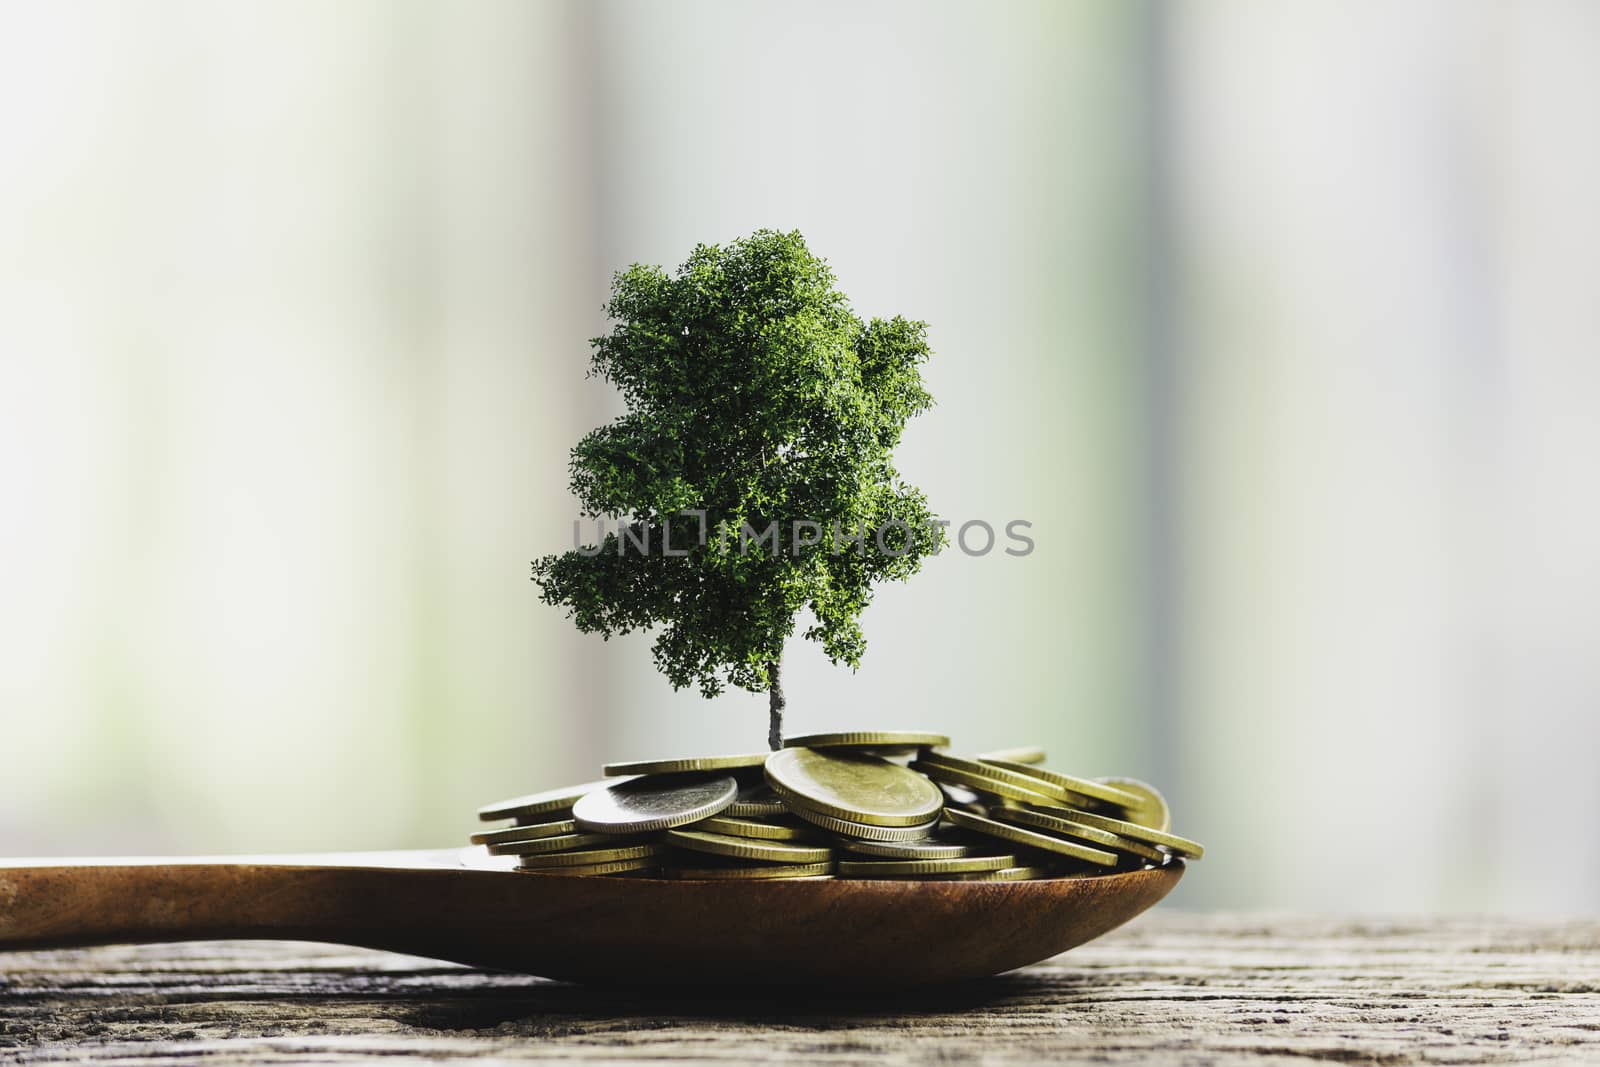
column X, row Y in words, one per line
column 756, row 396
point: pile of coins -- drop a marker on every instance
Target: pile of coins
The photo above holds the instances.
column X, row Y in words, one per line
column 861, row 804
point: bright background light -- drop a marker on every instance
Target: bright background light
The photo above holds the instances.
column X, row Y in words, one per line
column 1279, row 322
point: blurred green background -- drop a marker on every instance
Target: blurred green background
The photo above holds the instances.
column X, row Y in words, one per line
column 1278, row 321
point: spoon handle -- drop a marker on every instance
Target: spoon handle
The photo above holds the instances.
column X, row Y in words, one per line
column 351, row 897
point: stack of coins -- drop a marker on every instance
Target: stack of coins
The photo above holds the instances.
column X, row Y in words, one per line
column 860, row 804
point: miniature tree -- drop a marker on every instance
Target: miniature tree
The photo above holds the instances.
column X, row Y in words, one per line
column 750, row 477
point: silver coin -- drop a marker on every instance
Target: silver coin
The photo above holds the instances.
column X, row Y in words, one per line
column 654, row 802
column 547, row 803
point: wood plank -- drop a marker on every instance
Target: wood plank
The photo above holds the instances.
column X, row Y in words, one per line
column 1219, row 989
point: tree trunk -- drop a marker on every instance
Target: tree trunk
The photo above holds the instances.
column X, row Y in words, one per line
column 775, row 706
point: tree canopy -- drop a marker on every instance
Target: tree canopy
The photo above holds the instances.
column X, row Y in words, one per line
column 763, row 413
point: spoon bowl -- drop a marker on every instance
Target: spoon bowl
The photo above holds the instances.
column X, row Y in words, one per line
column 468, row 907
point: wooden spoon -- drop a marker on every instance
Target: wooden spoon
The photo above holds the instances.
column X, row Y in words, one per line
column 466, row 906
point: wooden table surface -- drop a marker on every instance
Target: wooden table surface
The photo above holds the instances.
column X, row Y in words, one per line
column 1169, row 987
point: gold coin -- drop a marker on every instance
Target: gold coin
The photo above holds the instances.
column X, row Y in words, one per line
column 1024, row 754
column 756, row 801
column 905, row 850
column 687, row 764
column 643, row 863
column 897, row 740
column 746, row 848
column 847, row 785
column 1181, row 846
column 972, row 876
column 546, row 803
column 910, row 868
column 1016, row 835
column 977, row 776
column 591, row 856
column 768, row 831
column 863, row 831
column 642, row 805
column 985, row 771
column 537, row 846
column 1152, row 809
column 797, row 871
column 1069, row 784
column 525, row 832
column 755, row 809
column 1016, row 874
column 1053, row 824
column 954, row 876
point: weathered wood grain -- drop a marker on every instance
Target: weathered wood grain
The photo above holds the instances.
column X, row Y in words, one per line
column 1170, row 987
